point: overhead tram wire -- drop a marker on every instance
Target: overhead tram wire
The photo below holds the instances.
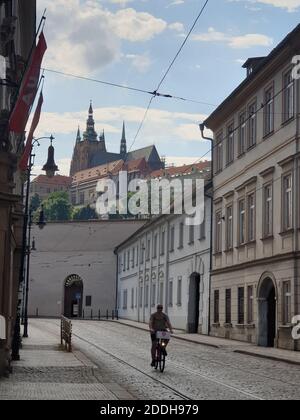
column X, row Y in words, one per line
column 156, row 93
column 117, row 85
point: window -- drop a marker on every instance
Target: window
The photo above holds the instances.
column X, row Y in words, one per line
column 162, row 244
column 218, row 237
column 219, row 153
column 153, row 295
column 81, row 198
column 120, row 264
column 268, row 211
column 230, row 144
column 269, row 111
column 288, row 96
column 287, row 202
column 170, row 293
column 133, row 258
column 142, row 254
column 125, row 299
column 286, row 293
column 141, row 296
column 137, row 256
column 250, row 305
column 242, row 222
column 181, row 235
column 88, row 301
column 147, row 296
column 172, row 238
column 203, row 227
column 73, row 199
column 161, row 293
column 229, row 228
column 241, row 305
column 251, row 217
column 228, row 306
column 124, row 262
column 132, row 298
column 242, row 133
column 179, row 291
column 191, row 234
column 128, row 260
column 155, row 246
column 148, row 249
column 216, row 306
column 252, row 125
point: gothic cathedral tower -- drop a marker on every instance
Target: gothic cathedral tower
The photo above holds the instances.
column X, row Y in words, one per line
column 87, row 146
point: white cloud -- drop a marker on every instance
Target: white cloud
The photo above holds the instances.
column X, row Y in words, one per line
column 184, row 160
column 165, row 124
column 140, row 62
column 85, row 38
column 289, row 5
column 177, row 26
column 237, row 42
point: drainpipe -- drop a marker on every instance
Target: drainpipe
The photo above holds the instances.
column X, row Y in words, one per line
column 297, row 210
column 202, row 128
column 167, row 269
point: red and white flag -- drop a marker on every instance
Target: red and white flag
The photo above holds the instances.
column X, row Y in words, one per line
column 23, row 165
column 28, row 91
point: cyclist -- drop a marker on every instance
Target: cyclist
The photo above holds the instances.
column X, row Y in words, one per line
column 158, row 322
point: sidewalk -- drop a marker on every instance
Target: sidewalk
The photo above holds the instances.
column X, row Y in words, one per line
column 45, row 372
column 240, row 347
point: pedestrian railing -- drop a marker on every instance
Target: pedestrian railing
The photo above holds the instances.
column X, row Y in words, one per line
column 66, row 333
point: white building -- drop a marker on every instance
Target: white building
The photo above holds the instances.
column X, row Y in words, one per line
column 167, row 262
column 73, row 269
column 256, row 271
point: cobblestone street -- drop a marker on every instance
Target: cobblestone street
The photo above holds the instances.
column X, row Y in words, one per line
column 112, row 361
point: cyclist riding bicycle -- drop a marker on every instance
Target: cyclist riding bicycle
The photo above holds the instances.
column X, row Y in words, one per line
column 158, row 322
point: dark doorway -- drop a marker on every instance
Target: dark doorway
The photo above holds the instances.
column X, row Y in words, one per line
column 73, row 297
column 267, row 309
column 193, row 307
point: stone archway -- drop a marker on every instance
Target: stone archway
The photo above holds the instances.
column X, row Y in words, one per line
column 193, row 304
column 267, row 310
column 73, row 296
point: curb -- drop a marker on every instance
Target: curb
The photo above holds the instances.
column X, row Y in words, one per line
column 215, row 346
column 262, row 356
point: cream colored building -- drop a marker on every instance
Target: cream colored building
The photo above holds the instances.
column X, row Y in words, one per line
column 256, row 258
column 167, row 262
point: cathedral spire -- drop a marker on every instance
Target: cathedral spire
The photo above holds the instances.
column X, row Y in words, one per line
column 90, row 133
column 102, row 142
column 123, row 149
column 78, row 137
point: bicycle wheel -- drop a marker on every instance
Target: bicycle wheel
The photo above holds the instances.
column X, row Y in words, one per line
column 158, row 356
column 162, row 361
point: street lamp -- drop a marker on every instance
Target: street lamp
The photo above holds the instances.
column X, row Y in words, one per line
column 50, row 168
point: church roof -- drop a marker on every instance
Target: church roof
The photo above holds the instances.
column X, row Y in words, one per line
column 55, row 180
column 146, row 152
column 96, row 172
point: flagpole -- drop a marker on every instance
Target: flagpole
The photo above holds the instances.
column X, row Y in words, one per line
column 41, row 25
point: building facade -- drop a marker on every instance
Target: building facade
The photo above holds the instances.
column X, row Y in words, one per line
column 17, row 34
column 73, row 269
column 167, row 262
column 43, row 186
column 256, row 256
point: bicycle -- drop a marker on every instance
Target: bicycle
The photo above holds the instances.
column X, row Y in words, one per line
column 163, row 338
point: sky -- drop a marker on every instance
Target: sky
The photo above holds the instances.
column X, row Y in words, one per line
column 132, row 43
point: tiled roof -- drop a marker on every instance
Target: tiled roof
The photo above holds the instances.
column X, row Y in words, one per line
column 56, row 180
column 97, row 172
column 182, row 170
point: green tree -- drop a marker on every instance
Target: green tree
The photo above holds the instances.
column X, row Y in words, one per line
column 35, row 202
column 57, row 207
column 84, row 213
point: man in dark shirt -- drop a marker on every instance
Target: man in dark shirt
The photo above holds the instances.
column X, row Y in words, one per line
column 158, row 322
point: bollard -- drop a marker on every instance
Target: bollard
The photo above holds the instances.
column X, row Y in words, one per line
column 113, row 314
column 91, row 313
column 99, row 315
column 117, row 314
column 83, row 314
column 37, row 312
column 107, row 314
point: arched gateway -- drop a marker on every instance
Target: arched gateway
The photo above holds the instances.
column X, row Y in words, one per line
column 267, row 310
column 73, row 295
